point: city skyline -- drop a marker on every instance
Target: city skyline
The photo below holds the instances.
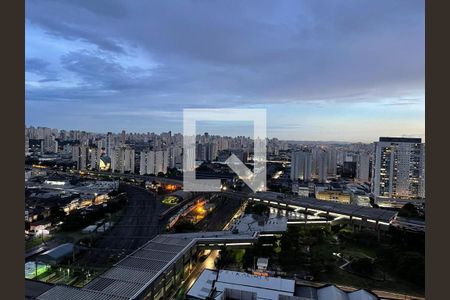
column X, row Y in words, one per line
column 348, row 72
column 199, row 132
column 201, row 149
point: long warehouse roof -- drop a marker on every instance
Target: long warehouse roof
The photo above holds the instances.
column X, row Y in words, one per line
column 132, row 275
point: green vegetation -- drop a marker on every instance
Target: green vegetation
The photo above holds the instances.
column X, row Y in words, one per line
column 36, row 241
column 395, row 262
column 339, row 255
column 363, row 265
column 409, row 210
column 231, row 258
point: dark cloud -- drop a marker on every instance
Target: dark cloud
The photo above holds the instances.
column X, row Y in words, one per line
column 42, row 68
column 216, row 53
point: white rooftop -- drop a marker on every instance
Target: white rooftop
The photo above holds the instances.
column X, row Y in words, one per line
column 250, row 223
column 263, row 287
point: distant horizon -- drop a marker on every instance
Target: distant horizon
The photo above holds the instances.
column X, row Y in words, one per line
column 232, row 136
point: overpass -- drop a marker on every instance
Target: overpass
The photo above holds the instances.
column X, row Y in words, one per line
column 376, row 218
column 154, row 270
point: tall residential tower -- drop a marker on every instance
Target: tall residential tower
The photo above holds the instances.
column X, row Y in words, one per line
column 398, row 168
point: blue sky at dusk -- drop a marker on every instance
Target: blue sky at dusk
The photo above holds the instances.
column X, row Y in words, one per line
column 325, row 70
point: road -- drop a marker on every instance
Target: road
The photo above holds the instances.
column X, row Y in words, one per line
column 139, row 224
column 208, row 263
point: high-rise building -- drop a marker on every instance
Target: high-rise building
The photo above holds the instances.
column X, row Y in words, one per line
column 27, row 145
column 362, row 167
column 122, row 137
column 80, row 155
column 49, row 144
column 301, row 165
column 147, row 163
column 332, row 161
column 109, row 144
column 200, row 152
column 211, row 151
column 398, row 168
column 322, row 165
column 122, row 159
column 349, row 164
column 175, row 158
column 161, row 161
column 95, row 155
column 154, row 162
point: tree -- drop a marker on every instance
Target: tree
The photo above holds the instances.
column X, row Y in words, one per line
column 363, row 266
column 411, row 266
column 225, row 258
column 184, row 226
column 291, row 255
column 409, row 210
column 57, row 214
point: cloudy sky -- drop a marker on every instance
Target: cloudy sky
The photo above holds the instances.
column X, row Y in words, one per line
column 325, row 70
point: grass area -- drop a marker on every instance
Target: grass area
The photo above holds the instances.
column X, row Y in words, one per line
column 341, row 277
column 358, row 252
column 36, row 241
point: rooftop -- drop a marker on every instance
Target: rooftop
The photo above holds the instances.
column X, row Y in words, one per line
column 252, row 223
column 128, row 278
column 57, row 253
column 264, row 287
column 34, row 288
